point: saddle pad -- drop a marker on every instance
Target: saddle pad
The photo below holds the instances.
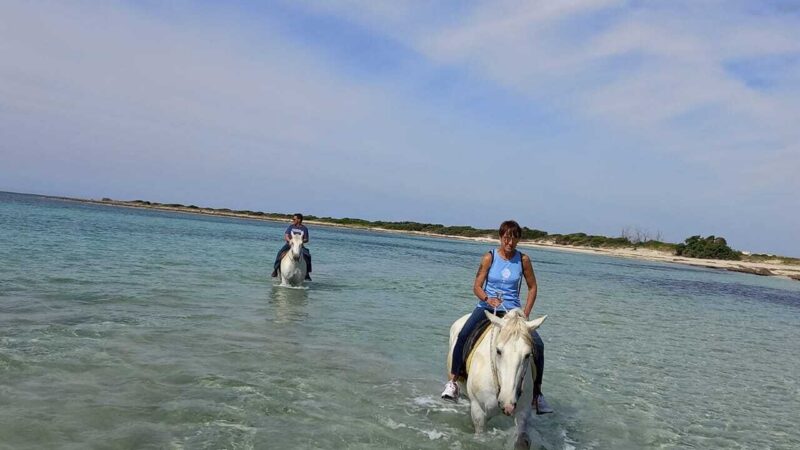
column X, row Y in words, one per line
column 472, row 342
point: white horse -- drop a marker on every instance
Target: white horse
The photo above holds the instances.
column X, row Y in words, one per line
column 293, row 264
column 498, row 377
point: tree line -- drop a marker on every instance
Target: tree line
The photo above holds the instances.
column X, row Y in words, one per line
column 711, row 247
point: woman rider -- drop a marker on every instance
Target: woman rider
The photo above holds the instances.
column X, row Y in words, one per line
column 498, row 283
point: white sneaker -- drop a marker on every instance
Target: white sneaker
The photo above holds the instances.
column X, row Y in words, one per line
column 541, row 405
column 450, row 391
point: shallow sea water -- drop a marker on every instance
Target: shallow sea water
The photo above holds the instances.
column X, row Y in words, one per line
column 126, row 328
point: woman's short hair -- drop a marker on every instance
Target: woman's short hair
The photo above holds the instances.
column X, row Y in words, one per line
column 511, row 226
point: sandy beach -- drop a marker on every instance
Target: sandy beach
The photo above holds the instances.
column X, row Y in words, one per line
column 767, row 268
column 774, row 267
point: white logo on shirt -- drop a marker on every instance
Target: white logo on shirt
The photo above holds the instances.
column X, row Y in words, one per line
column 506, row 273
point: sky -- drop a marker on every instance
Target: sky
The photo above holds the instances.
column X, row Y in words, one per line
column 674, row 118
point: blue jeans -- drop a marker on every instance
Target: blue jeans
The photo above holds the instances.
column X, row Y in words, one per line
column 475, row 319
column 284, row 249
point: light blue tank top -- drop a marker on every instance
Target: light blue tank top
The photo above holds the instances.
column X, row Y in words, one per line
column 505, row 277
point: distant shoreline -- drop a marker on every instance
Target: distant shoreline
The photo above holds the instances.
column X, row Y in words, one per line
column 775, row 267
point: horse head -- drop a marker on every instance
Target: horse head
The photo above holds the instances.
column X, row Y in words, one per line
column 296, row 244
column 510, row 355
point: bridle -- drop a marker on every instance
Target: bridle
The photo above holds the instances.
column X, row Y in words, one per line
column 493, row 360
column 297, row 256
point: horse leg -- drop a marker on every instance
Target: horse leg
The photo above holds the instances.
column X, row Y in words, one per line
column 478, row 416
column 284, row 272
column 523, row 440
column 524, row 414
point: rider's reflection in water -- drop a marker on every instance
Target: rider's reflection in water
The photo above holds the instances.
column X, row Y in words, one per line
column 288, row 304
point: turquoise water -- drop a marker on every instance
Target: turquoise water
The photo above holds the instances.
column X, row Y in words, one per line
column 126, row 328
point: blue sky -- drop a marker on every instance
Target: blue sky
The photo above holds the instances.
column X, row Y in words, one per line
column 675, row 118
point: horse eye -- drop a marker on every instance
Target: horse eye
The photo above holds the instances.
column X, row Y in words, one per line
column 499, row 352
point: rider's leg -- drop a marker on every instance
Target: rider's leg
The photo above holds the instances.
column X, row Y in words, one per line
column 457, row 359
column 540, row 405
column 307, row 256
column 475, row 319
column 538, row 360
column 277, row 264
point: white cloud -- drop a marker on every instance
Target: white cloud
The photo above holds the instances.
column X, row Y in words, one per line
column 105, row 62
column 678, row 70
column 121, row 101
column 206, row 92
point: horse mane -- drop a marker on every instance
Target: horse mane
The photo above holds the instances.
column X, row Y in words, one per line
column 515, row 328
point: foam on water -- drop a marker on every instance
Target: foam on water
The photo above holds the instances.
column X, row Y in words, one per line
column 287, row 286
column 435, row 404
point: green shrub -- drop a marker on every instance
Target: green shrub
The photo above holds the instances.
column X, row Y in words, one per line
column 711, row 247
column 528, row 233
column 760, row 257
column 585, row 240
column 658, row 245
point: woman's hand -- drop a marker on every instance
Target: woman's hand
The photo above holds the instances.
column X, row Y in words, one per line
column 494, row 302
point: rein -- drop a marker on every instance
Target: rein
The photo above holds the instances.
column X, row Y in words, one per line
column 492, row 353
column 492, row 361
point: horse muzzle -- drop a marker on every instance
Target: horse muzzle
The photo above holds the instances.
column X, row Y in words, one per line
column 508, row 409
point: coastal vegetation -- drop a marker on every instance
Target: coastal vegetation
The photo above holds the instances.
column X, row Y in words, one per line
column 711, row 247
column 587, row 240
column 763, row 258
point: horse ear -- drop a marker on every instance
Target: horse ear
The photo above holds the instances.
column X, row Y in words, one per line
column 494, row 319
column 535, row 323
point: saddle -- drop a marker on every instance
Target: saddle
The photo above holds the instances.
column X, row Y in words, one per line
column 472, row 342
